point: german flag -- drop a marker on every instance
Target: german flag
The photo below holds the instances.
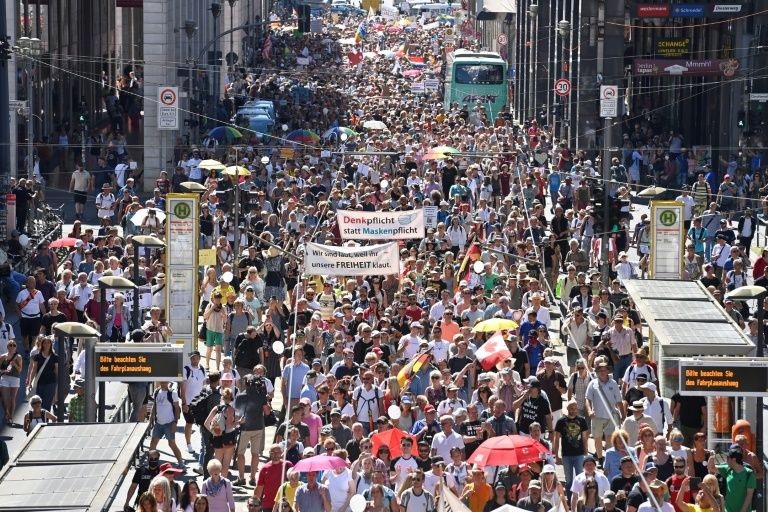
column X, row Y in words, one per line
column 407, row 372
column 472, row 255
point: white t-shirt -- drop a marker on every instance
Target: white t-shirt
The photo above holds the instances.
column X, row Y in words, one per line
column 81, row 180
column 367, row 398
column 431, row 481
column 80, row 295
column 105, row 204
column 439, row 350
column 32, row 308
column 164, row 408
column 648, row 507
column 603, row 485
column 411, row 346
column 194, row 380
column 403, row 468
column 442, row 444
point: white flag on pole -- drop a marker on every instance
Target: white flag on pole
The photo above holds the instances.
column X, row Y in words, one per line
column 449, row 502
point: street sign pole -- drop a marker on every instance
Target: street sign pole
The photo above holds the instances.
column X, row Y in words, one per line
column 604, row 271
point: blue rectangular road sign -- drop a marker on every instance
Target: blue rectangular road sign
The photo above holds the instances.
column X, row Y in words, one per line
column 689, row 10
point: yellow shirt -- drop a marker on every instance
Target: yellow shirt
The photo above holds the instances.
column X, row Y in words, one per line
column 289, row 492
column 224, row 290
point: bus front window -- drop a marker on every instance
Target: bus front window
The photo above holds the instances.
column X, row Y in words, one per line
column 479, row 74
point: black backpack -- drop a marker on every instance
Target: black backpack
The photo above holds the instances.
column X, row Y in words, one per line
column 202, row 404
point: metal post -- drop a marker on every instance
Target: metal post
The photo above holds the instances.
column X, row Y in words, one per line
column 606, row 201
column 215, row 11
column 5, row 128
column 91, row 355
column 760, row 444
column 135, row 309
column 30, row 118
column 90, row 380
column 62, row 376
column 236, row 245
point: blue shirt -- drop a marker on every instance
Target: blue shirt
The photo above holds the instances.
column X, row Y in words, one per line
column 311, row 499
column 293, row 376
column 309, row 392
column 535, row 354
column 527, row 327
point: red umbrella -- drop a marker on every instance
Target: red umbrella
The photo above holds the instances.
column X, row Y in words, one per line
column 390, row 438
column 508, row 450
column 63, row 242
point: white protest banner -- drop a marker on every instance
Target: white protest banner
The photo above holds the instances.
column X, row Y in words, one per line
column 359, row 225
column 331, row 260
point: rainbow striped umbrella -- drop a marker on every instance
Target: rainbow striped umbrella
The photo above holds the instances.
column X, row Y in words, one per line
column 303, row 136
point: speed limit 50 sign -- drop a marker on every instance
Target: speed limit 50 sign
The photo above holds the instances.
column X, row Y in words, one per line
column 562, row 87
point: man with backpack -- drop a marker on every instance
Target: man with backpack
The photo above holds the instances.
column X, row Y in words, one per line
column 165, row 416
column 193, row 381
column 248, row 351
column 368, row 402
column 251, row 406
column 208, row 398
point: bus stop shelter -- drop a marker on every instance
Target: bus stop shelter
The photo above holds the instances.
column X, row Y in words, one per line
column 686, row 323
column 70, row 467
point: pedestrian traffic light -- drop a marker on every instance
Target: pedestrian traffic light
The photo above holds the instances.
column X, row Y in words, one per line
column 741, row 121
column 598, row 208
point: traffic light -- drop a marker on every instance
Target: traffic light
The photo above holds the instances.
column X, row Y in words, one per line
column 598, row 208
column 741, row 121
column 614, row 213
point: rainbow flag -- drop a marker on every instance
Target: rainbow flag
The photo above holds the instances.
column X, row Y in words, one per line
column 361, row 33
column 416, row 60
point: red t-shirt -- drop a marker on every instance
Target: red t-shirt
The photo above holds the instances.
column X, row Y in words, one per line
column 270, row 476
column 674, row 483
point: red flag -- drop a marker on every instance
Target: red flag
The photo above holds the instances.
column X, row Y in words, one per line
column 493, row 351
column 355, row 58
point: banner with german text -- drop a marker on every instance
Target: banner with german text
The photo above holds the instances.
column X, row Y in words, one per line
column 359, row 225
column 368, row 260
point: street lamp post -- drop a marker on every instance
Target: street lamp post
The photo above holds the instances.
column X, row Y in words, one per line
column 564, row 29
column 68, row 331
column 532, row 12
column 759, row 294
column 138, row 242
column 190, row 29
column 31, row 48
column 231, row 61
column 215, row 12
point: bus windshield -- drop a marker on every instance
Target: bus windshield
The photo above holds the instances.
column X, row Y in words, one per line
column 479, row 74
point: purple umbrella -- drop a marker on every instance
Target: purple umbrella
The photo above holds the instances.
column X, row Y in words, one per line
column 319, row 463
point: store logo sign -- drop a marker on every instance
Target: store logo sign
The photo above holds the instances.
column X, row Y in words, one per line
column 730, row 9
column 652, row 11
column 688, row 10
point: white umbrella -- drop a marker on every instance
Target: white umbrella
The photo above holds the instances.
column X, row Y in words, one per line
column 140, row 215
column 374, row 125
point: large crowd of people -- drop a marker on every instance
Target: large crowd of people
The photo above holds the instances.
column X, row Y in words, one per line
column 390, row 373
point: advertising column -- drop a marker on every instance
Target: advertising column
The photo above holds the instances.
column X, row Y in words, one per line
column 182, row 239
